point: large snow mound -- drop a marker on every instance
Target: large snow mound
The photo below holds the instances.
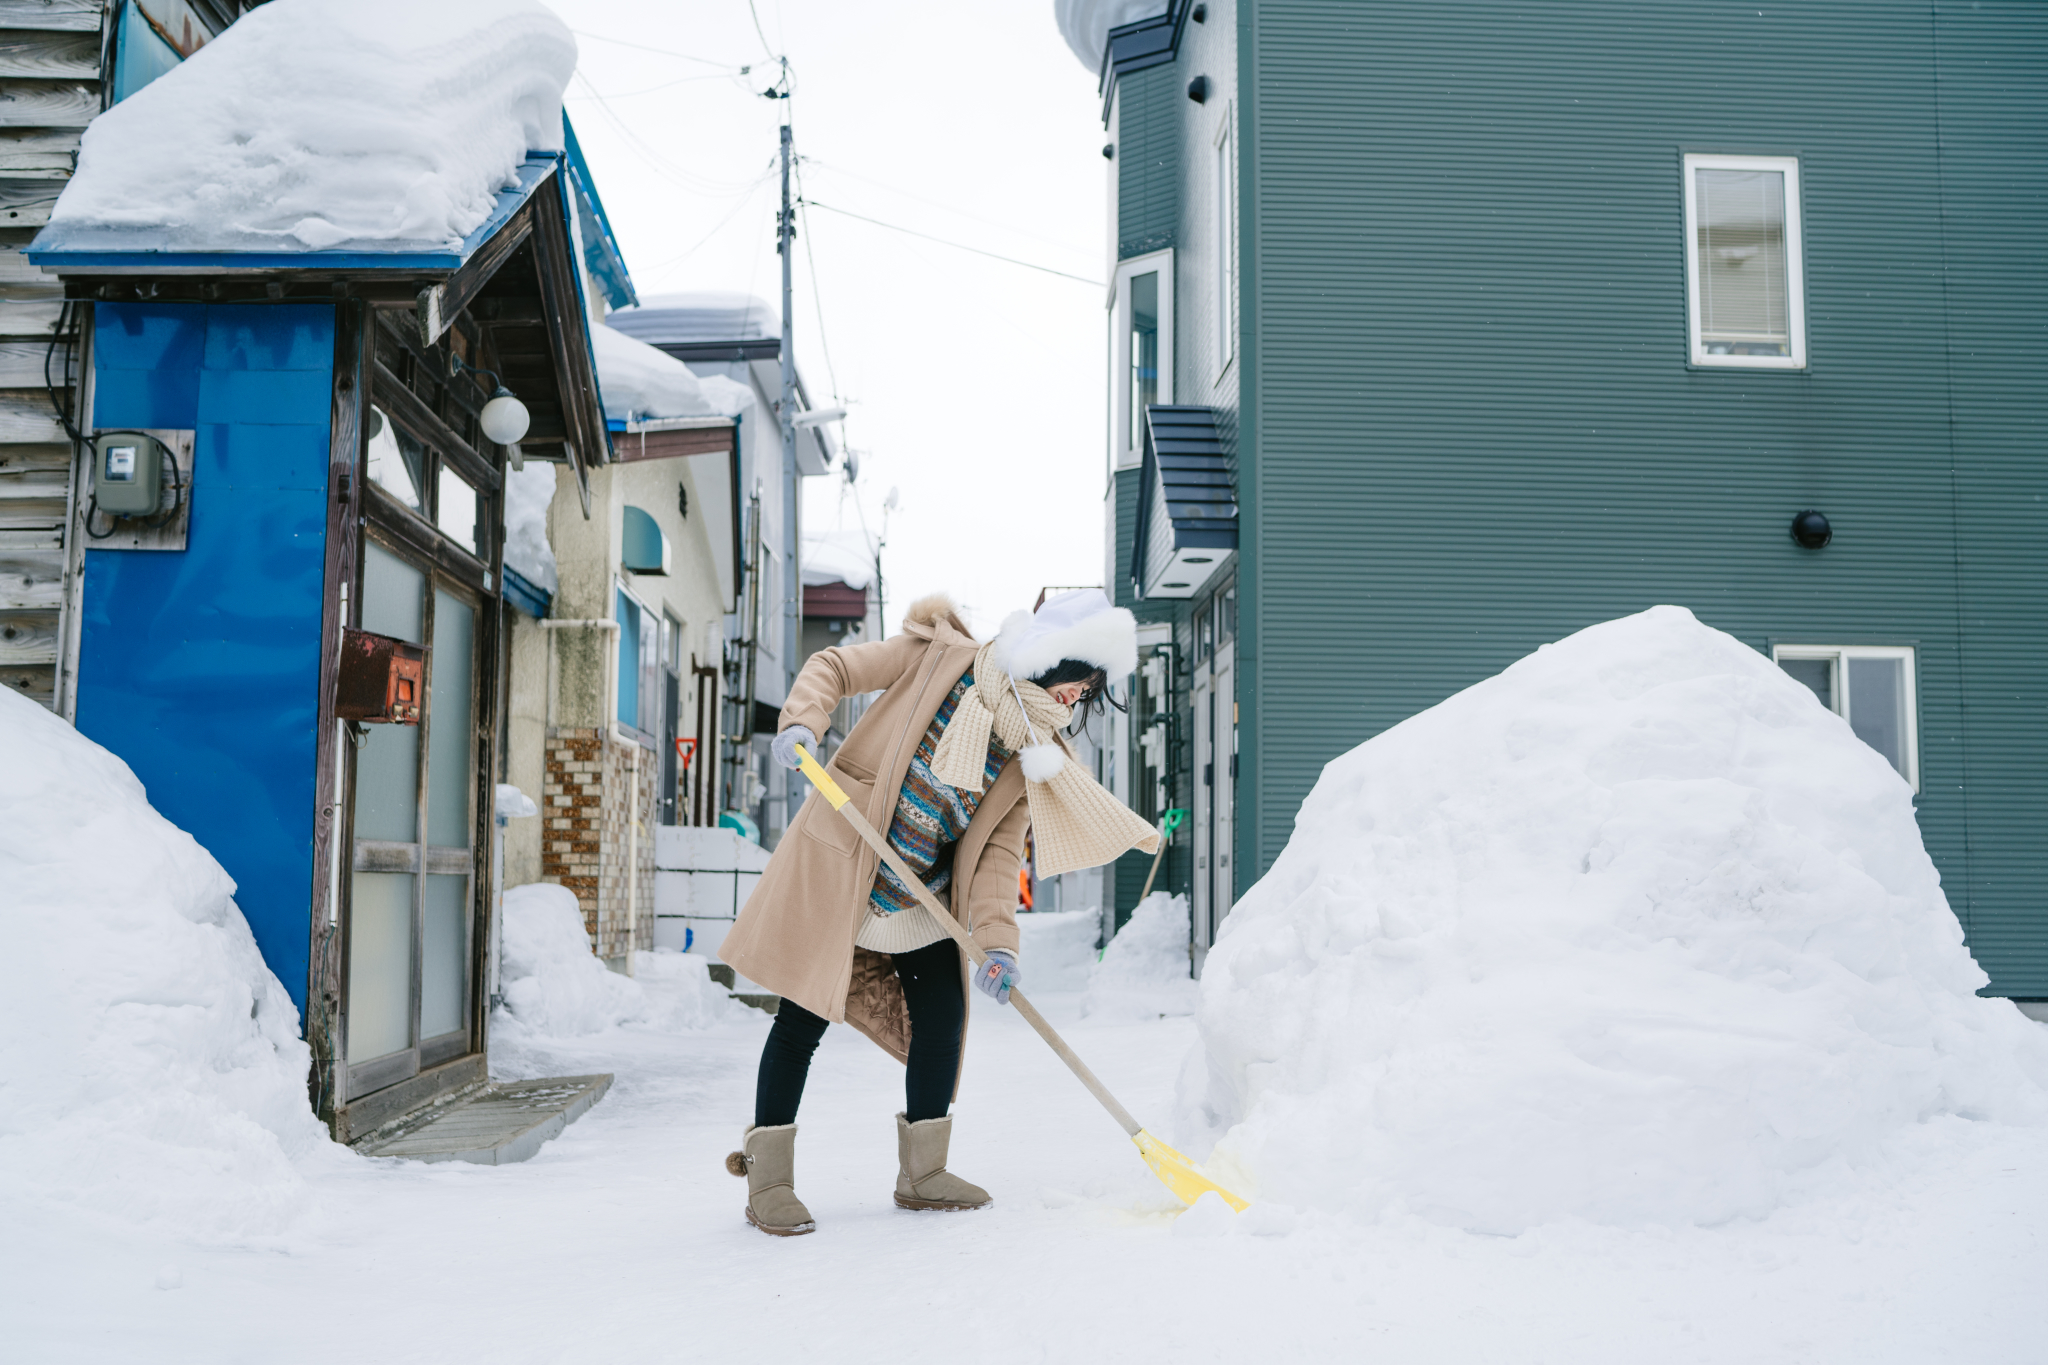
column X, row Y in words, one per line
column 1635, row 932
column 313, row 123
column 1085, row 24
column 1143, row 973
column 150, row 1064
column 554, row 986
column 643, row 382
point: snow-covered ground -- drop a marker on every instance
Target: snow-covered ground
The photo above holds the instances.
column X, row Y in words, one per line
column 623, row 1240
column 1610, row 1011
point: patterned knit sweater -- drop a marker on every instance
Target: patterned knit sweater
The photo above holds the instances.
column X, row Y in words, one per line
column 930, row 818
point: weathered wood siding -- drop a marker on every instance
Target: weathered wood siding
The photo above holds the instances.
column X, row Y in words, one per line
column 49, row 90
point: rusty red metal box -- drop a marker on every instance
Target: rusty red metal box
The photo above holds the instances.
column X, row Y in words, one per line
column 381, row 679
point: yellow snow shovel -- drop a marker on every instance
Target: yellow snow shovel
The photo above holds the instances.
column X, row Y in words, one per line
column 1179, row 1174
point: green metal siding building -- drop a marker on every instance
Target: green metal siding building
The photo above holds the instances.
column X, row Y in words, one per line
column 1494, row 360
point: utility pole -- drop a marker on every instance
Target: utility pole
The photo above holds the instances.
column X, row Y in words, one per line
column 792, row 582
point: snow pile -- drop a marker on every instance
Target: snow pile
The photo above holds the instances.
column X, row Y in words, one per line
column 1635, row 932
column 313, row 123
column 150, row 1064
column 644, row 383
column 1057, row 949
column 1085, row 24
column 528, row 494
column 844, row 556
column 1143, row 973
column 554, row 986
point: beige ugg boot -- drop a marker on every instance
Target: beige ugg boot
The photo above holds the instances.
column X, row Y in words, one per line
column 924, row 1182
column 767, row 1158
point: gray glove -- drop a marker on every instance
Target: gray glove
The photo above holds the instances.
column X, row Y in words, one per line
column 995, row 977
column 784, row 747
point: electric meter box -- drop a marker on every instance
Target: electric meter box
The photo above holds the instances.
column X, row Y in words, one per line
column 127, row 473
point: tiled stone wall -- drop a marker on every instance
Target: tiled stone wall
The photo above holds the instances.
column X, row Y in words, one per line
column 590, row 805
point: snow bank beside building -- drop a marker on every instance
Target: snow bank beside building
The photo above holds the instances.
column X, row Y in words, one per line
column 150, row 1064
column 1143, row 973
column 554, row 986
column 314, row 123
column 1635, row 932
column 645, row 383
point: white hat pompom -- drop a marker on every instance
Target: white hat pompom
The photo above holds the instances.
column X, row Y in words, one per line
column 1042, row 762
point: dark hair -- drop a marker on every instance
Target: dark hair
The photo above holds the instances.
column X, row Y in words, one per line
column 1080, row 671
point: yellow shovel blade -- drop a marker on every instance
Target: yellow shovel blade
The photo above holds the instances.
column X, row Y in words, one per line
column 1179, row 1174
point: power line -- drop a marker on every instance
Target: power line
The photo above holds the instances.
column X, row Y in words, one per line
column 733, row 67
column 817, row 299
column 766, row 46
column 752, row 190
column 939, row 204
column 665, row 85
column 957, row 246
column 667, row 169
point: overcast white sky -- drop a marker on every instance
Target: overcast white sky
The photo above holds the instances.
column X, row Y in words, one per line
column 975, row 387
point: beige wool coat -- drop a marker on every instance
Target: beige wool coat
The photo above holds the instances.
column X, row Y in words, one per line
column 796, row 934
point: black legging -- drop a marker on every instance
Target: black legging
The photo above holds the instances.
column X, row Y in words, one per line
column 938, row 1011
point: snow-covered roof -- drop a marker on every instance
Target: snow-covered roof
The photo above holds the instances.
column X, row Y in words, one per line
column 642, row 384
column 845, row 556
column 698, row 319
column 1085, row 24
column 388, row 127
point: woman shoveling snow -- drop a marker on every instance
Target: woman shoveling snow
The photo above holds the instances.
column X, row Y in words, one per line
column 960, row 753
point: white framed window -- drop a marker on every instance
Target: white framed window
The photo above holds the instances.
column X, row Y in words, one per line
column 1140, row 350
column 1225, row 171
column 1744, row 279
column 1870, row 686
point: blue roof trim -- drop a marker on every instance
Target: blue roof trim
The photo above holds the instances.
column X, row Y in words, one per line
column 534, row 601
column 601, row 254
column 143, row 248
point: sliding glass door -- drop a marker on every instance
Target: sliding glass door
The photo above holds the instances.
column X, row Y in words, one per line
column 413, row 899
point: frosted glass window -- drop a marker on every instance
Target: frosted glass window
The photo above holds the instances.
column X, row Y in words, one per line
column 379, row 965
column 1742, row 261
column 456, row 509
column 396, row 461
column 388, row 784
column 444, row 958
column 1871, row 687
column 450, row 723
column 394, row 595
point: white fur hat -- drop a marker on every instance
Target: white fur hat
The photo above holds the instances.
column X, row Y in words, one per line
column 1074, row 625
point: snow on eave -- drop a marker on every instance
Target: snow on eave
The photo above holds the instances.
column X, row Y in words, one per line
column 380, row 125
column 68, row 248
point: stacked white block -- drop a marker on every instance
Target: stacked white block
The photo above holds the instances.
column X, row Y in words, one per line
column 702, row 877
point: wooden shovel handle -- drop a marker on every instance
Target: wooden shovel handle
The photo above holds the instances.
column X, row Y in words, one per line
column 842, row 803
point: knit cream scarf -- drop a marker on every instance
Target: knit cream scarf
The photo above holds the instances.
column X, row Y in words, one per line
column 1075, row 822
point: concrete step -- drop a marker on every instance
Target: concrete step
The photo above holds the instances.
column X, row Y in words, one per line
column 504, row 1122
column 728, row 978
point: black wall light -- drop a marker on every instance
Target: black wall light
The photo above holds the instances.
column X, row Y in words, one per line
column 1109, row 151
column 1811, row 529
column 1198, row 90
